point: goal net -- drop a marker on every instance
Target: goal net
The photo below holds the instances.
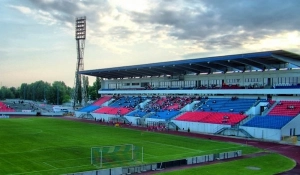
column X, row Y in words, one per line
column 126, row 154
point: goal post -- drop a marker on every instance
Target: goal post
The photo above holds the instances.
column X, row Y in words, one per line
column 116, row 155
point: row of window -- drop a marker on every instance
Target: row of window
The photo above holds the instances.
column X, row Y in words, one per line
column 277, row 80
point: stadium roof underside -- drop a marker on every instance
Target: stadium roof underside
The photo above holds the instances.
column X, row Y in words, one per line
column 259, row 61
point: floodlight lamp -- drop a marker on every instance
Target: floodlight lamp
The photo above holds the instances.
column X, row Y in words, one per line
column 80, row 32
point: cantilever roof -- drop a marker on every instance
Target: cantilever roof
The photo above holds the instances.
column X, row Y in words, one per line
column 276, row 59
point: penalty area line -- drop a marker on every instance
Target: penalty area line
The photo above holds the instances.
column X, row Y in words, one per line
column 48, row 170
column 185, row 148
column 50, row 165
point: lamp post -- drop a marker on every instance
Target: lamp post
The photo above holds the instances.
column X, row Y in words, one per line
column 79, row 83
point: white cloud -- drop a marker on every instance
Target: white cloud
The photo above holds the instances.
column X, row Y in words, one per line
column 40, row 16
column 130, row 32
column 22, row 9
column 285, row 40
column 132, row 5
column 44, row 17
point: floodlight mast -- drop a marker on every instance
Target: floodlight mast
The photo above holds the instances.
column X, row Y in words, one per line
column 80, row 80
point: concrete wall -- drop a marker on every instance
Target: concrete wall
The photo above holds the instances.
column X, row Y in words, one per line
column 98, row 116
column 263, row 133
column 294, row 124
column 199, row 127
column 132, row 119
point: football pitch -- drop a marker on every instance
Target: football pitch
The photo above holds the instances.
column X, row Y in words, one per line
column 38, row 145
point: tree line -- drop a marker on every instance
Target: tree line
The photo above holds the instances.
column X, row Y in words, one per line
column 56, row 93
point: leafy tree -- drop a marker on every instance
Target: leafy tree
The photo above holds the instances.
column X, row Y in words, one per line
column 37, row 91
column 93, row 90
column 97, row 85
column 2, row 96
column 59, row 93
column 55, row 93
column 15, row 91
column 23, row 89
column 6, row 93
column 92, row 93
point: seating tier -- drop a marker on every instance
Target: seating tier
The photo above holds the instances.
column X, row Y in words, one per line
column 5, row 108
column 212, row 117
column 273, row 122
column 286, row 108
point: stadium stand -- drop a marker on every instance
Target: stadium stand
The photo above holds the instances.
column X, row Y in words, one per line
column 212, row 117
column 246, row 95
column 112, row 110
column 193, row 116
column 101, row 100
column 166, row 114
column 137, row 113
column 127, row 101
column 89, row 108
column 288, row 108
column 5, row 108
column 97, row 104
column 272, row 122
column 282, row 113
column 234, row 105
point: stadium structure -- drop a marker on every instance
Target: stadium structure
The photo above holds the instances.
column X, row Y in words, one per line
column 251, row 95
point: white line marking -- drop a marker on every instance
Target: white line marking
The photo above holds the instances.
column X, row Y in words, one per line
column 53, row 169
column 175, row 146
column 50, row 165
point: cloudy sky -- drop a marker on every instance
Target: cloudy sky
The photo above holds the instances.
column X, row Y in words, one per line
column 38, row 36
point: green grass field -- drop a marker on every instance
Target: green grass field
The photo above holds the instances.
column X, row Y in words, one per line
column 56, row 146
column 262, row 165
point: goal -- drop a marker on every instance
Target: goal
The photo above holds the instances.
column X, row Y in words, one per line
column 126, row 154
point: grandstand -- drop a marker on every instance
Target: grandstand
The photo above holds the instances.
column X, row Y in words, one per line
column 242, row 95
column 17, row 107
column 95, row 105
column 5, row 108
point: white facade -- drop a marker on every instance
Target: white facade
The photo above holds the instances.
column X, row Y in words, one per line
column 198, row 127
column 270, row 78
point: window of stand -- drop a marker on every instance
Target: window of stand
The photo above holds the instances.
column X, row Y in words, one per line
column 112, row 86
column 285, row 81
column 164, row 84
column 189, row 83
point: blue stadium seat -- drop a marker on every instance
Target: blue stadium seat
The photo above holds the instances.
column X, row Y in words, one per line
column 89, row 108
column 273, row 122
